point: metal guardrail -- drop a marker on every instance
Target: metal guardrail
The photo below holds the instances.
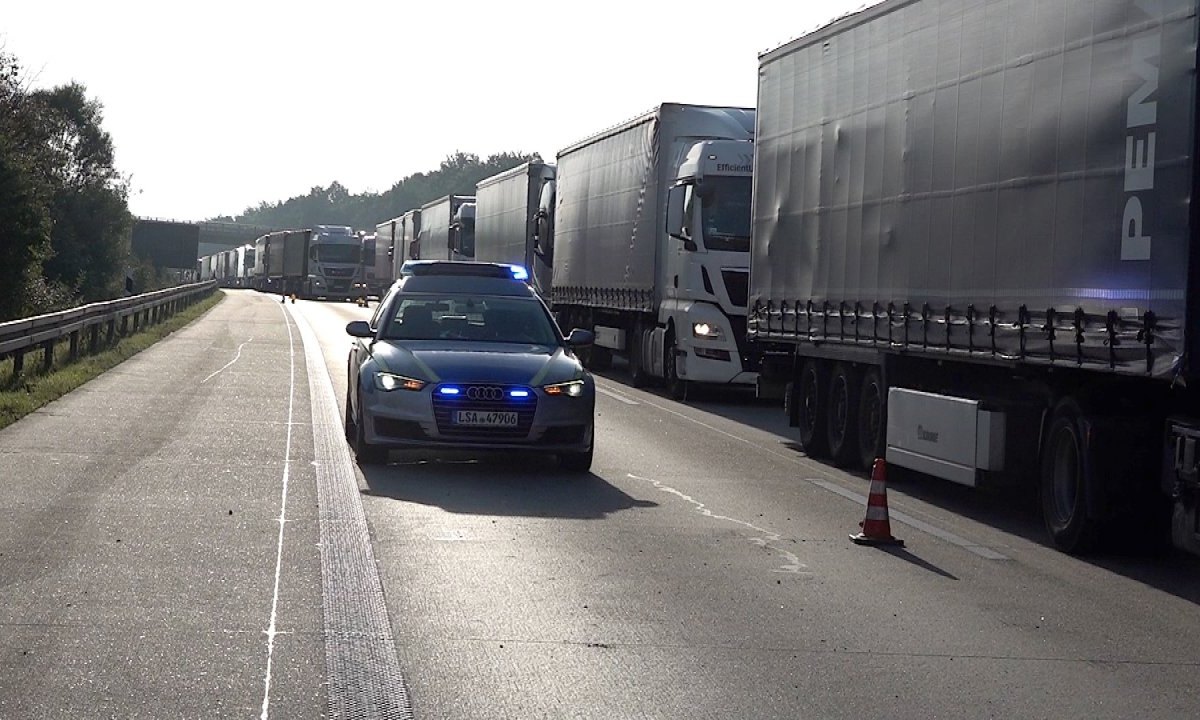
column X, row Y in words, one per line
column 99, row 324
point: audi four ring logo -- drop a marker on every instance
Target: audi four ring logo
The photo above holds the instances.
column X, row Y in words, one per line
column 485, row 393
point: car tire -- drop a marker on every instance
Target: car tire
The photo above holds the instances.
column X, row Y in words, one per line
column 349, row 415
column 366, row 453
column 577, row 462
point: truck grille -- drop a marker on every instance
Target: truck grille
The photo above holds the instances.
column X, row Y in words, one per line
column 471, row 397
column 737, row 284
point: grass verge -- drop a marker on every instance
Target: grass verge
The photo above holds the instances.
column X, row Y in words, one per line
column 33, row 390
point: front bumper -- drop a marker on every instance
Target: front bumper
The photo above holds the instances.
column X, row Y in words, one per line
column 405, row 419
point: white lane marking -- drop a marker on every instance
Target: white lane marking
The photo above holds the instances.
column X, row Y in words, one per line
column 287, row 465
column 973, row 547
column 768, row 539
column 229, row 364
column 616, row 395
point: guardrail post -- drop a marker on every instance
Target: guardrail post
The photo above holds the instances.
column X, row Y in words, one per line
column 94, row 340
column 47, row 355
column 111, row 332
column 74, row 341
column 124, row 325
column 18, row 363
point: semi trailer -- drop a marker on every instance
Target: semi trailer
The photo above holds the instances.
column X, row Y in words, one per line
column 447, row 229
column 506, row 221
column 651, row 243
column 324, row 261
column 975, row 251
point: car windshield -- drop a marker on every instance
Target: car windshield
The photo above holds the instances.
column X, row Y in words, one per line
column 339, row 253
column 480, row 318
column 725, row 209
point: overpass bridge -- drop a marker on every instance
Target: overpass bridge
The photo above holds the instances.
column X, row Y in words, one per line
column 177, row 244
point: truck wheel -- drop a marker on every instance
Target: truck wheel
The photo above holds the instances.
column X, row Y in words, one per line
column 810, row 409
column 676, row 387
column 872, row 418
column 366, row 453
column 638, row 374
column 842, row 423
column 1065, row 483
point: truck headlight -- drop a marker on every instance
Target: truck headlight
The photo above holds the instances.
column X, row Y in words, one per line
column 573, row 388
column 707, row 331
column 388, row 382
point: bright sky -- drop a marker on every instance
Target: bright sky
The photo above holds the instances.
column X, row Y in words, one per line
column 219, row 105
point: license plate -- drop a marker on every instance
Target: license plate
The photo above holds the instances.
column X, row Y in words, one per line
column 477, row 418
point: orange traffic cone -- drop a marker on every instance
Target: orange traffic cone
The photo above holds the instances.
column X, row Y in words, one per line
column 876, row 528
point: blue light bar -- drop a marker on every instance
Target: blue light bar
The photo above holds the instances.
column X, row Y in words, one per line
column 518, row 393
column 519, row 273
column 449, row 390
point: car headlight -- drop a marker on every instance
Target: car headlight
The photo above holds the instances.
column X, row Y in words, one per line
column 574, row 388
column 388, row 382
column 706, row 330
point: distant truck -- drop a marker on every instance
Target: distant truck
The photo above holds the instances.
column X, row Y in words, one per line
column 325, row 261
column 377, row 264
column 978, row 257
column 447, row 229
column 651, row 243
column 244, row 276
column 399, row 238
column 507, row 217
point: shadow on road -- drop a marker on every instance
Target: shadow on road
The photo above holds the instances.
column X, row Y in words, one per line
column 511, row 485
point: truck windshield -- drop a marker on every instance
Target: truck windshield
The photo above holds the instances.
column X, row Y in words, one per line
column 725, row 213
column 339, row 253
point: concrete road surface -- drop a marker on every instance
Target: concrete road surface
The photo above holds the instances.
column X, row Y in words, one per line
column 702, row 570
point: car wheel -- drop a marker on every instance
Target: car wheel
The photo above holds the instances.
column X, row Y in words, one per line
column 676, row 387
column 577, row 462
column 349, row 416
column 367, row 453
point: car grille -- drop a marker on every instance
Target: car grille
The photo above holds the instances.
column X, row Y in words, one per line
column 444, row 407
column 737, row 284
column 339, row 272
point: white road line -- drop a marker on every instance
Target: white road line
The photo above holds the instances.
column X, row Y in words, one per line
column 968, row 545
column 229, row 364
column 616, row 395
column 287, row 465
column 973, row 547
column 768, row 540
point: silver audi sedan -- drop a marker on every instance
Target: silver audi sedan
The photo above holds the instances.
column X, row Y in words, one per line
column 465, row 355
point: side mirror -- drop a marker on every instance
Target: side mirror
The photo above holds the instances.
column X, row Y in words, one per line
column 581, row 338
column 360, row 329
column 677, row 219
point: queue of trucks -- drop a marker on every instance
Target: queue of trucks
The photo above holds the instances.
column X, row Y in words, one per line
column 967, row 252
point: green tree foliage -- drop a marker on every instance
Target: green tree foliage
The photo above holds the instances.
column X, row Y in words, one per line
column 335, row 205
column 63, row 213
column 91, row 216
column 24, row 194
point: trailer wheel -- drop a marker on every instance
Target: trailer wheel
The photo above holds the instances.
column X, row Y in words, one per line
column 842, row 423
column 872, row 418
column 676, row 387
column 810, row 409
column 1065, row 480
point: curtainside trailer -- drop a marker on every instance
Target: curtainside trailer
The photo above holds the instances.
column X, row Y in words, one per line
column 974, row 250
column 651, row 243
column 506, row 221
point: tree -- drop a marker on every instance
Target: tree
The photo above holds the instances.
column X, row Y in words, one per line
column 89, row 237
column 24, row 194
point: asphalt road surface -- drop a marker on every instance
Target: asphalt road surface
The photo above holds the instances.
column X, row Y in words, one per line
column 187, row 536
